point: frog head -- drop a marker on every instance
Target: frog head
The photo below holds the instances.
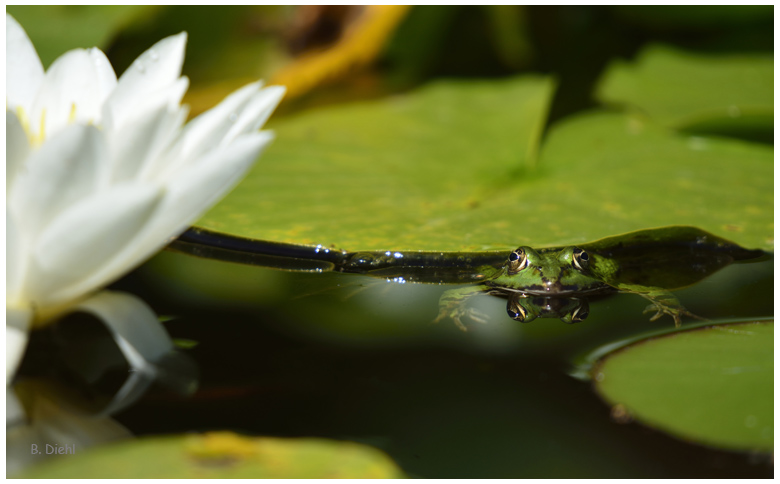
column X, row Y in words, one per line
column 547, row 272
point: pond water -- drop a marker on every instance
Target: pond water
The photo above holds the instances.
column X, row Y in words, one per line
column 357, row 358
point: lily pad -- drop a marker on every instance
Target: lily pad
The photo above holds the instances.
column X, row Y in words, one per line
column 713, row 385
column 450, row 167
column 690, row 91
column 223, row 455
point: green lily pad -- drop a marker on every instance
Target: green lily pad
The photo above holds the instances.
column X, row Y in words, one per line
column 450, row 168
column 713, row 385
column 223, row 455
column 695, row 91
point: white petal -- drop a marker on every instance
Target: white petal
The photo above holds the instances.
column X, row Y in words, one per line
column 138, row 145
column 73, row 90
column 155, row 69
column 16, row 149
column 94, row 233
column 105, row 77
column 17, row 327
column 169, row 96
column 206, row 131
column 194, row 190
column 67, row 168
column 139, row 335
column 17, row 258
column 24, row 71
column 256, row 112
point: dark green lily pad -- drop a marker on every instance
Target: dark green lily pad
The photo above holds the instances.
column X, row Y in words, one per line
column 223, row 455
column 450, row 168
column 713, row 385
column 695, row 91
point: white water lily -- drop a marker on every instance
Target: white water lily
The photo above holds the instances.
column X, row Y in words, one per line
column 103, row 172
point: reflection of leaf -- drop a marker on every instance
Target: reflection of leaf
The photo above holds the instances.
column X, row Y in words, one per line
column 684, row 90
column 447, row 168
column 224, row 455
column 712, row 385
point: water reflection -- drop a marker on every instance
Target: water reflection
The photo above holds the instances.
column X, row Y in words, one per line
column 76, row 374
column 525, row 309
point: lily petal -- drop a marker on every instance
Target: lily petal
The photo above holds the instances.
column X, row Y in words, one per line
column 195, row 189
column 86, row 237
column 23, row 68
column 256, row 112
column 17, row 327
column 154, row 70
column 144, row 138
column 208, row 129
column 67, row 168
column 16, row 149
column 139, row 335
column 73, row 90
column 16, row 257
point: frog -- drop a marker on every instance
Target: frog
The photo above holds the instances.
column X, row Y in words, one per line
column 649, row 263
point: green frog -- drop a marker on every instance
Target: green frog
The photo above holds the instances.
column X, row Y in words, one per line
column 648, row 263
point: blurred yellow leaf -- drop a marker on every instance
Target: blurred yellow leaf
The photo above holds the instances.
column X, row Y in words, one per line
column 358, row 46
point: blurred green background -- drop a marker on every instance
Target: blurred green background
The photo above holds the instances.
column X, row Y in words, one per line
column 459, row 128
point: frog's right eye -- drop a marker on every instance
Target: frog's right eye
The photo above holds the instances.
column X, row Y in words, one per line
column 580, row 259
column 518, row 260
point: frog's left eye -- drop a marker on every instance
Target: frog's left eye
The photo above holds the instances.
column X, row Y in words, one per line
column 518, row 260
column 580, row 259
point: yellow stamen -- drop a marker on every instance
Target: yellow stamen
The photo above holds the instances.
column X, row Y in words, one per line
column 72, row 116
column 42, row 130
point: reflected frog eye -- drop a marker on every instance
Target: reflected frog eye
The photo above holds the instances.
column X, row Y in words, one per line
column 516, row 311
column 580, row 314
column 518, row 260
column 580, row 259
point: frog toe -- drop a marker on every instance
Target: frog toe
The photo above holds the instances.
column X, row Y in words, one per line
column 477, row 316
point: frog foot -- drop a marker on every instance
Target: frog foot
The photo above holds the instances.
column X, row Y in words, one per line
column 458, row 313
column 675, row 312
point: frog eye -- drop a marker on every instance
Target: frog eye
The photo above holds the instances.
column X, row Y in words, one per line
column 580, row 259
column 518, row 260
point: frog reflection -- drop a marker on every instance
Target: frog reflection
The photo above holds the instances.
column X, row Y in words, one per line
column 525, row 309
